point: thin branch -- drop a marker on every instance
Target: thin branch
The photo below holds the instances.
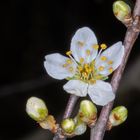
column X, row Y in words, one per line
column 70, row 105
column 97, row 133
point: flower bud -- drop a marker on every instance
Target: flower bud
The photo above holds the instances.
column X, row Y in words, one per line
column 36, row 109
column 121, row 10
column 68, row 125
column 80, row 126
column 87, row 112
column 118, row 115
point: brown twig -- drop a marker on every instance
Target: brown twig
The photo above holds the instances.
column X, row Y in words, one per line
column 97, row 133
column 70, row 105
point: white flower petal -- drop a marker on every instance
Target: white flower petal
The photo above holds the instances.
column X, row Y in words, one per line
column 76, row 87
column 82, row 45
column 101, row 93
column 114, row 55
column 54, row 66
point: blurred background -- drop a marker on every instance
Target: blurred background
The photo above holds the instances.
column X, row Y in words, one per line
column 32, row 29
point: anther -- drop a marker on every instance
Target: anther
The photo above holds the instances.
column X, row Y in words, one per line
column 103, row 46
column 68, row 53
column 103, row 58
column 71, row 69
column 68, row 61
column 86, row 65
column 101, row 68
column 110, row 69
column 89, row 70
column 65, row 65
column 110, row 62
column 80, row 68
column 84, row 74
column 80, row 43
column 81, row 60
column 88, row 52
column 93, row 81
column 98, row 77
column 96, row 47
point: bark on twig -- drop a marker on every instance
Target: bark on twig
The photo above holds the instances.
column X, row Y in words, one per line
column 97, row 133
column 70, row 105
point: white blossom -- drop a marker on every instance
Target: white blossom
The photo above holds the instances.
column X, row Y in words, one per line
column 86, row 68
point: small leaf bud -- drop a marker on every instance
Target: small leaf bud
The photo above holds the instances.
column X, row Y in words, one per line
column 87, row 112
column 121, row 10
column 80, row 126
column 36, row 109
column 118, row 115
column 68, row 125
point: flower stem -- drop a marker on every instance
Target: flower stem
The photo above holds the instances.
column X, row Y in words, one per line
column 97, row 133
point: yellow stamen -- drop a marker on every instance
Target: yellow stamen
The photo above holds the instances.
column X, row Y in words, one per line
column 103, row 46
column 101, row 68
column 86, row 66
column 110, row 62
column 71, row 69
column 87, row 70
column 84, row 74
column 98, row 77
column 92, row 63
column 65, row 65
column 96, row 47
column 90, row 70
column 88, row 52
column 92, row 81
column 81, row 60
column 80, row 68
column 103, row 58
column 80, row 43
column 68, row 53
column 110, row 69
column 68, row 61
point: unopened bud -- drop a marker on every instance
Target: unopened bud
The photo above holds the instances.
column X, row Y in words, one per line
column 36, row 109
column 68, row 126
column 122, row 11
column 87, row 112
column 118, row 115
column 80, row 126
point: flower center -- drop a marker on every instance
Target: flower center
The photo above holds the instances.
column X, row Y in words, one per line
column 88, row 73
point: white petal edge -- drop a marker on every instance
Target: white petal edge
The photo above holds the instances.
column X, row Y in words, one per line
column 114, row 53
column 101, row 93
column 76, row 87
column 88, row 38
column 54, row 66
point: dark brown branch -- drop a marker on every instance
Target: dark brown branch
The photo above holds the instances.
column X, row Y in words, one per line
column 97, row 133
column 70, row 105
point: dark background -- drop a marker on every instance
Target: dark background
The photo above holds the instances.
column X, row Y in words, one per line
column 32, row 29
